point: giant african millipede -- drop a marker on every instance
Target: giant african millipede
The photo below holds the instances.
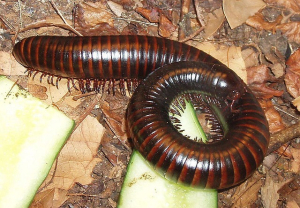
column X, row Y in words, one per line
column 171, row 69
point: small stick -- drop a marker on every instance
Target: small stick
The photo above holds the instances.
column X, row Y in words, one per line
column 184, row 10
column 62, row 17
column 192, row 35
column 279, row 138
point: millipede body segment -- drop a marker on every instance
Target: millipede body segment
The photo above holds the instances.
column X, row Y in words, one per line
column 172, row 69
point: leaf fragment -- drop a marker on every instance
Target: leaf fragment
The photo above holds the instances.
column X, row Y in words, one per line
column 238, row 11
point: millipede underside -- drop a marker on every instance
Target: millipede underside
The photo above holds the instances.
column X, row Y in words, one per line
column 205, row 114
column 89, row 85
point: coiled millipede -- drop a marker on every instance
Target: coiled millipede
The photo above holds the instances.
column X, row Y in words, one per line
column 175, row 69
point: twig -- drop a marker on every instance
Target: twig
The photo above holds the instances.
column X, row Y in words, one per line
column 132, row 20
column 45, row 23
column 20, row 13
column 62, row 17
column 198, row 13
column 184, row 10
column 284, row 136
column 58, row 12
column 279, row 109
column 192, row 35
column 98, row 99
column 6, row 23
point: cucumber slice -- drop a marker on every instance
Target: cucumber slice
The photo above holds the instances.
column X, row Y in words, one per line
column 143, row 187
column 190, row 125
column 32, row 134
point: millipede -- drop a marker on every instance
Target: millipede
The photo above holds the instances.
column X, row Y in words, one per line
column 157, row 71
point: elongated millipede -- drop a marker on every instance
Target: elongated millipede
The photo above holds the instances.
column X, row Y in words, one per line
column 181, row 69
column 102, row 58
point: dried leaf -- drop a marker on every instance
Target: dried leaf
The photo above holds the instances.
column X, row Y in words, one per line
column 295, row 166
column 296, row 103
column 269, row 193
column 274, row 119
column 215, row 20
column 150, row 15
column 165, row 27
column 93, row 14
column 230, row 56
column 258, row 79
column 49, row 198
column 291, row 191
column 38, row 91
column 238, row 11
column 250, row 56
column 264, row 91
column 291, row 30
column 76, row 160
column 94, row 19
column 117, row 9
column 258, row 22
column 292, row 5
column 293, row 204
column 53, row 93
column 293, row 62
column 259, row 75
column 9, row 65
column 247, row 192
column 292, row 82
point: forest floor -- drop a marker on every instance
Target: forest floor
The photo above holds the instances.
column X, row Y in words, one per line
column 257, row 39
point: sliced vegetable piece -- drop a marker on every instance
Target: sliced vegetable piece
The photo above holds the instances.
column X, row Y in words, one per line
column 189, row 122
column 32, row 134
column 144, row 187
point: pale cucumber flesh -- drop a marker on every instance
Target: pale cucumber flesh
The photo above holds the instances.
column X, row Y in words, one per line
column 32, row 134
column 144, row 187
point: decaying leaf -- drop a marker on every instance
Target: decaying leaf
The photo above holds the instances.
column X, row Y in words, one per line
column 94, row 19
column 93, row 14
column 259, row 78
column 292, row 5
column 38, row 91
column 53, row 93
column 247, row 192
column 117, row 9
column 9, row 66
column 165, row 26
column 295, row 166
column 296, row 103
column 292, row 76
column 76, row 160
column 230, row 56
column 215, row 20
column 274, row 119
column 269, row 192
column 291, row 191
column 291, row 30
column 151, row 15
column 259, row 74
column 292, row 82
column 258, row 22
column 293, row 62
column 238, row 11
